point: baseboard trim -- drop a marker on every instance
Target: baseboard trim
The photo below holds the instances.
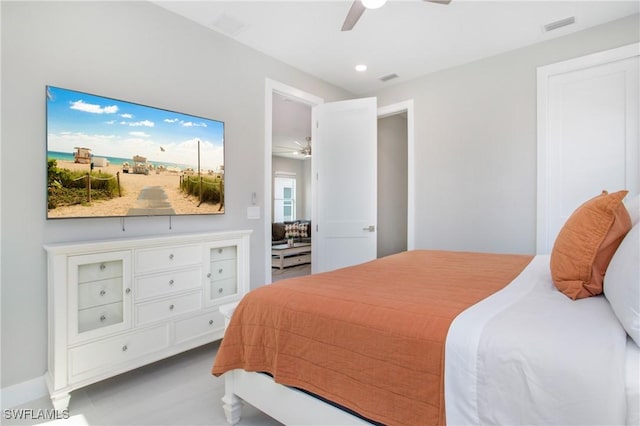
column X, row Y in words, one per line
column 21, row 393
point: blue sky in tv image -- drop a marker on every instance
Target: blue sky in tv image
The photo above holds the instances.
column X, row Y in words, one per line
column 119, row 130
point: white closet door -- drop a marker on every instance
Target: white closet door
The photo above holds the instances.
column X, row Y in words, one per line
column 588, row 138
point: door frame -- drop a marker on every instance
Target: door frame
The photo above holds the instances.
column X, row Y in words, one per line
column 310, row 99
column 544, row 74
column 271, row 87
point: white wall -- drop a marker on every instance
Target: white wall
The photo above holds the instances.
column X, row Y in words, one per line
column 392, row 184
column 137, row 52
column 475, row 139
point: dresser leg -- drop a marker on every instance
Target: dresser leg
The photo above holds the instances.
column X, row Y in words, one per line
column 60, row 402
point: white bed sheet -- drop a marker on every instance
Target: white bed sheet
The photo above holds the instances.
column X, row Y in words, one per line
column 530, row 355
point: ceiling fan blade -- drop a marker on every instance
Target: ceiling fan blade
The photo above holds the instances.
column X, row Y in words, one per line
column 439, row 1
column 282, row 149
column 356, row 11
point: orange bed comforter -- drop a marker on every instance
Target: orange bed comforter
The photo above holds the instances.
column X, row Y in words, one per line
column 369, row 337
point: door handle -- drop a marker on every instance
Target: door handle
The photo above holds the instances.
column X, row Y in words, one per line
column 370, row 228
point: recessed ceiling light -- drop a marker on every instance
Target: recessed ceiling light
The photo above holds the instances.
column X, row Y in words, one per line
column 373, row 4
column 361, row 68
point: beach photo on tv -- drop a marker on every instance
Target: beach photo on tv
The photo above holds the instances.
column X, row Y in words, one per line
column 107, row 157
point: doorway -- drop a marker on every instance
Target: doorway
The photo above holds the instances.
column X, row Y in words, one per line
column 292, row 163
column 392, row 184
column 406, row 112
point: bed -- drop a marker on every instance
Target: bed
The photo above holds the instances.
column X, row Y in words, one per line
column 472, row 338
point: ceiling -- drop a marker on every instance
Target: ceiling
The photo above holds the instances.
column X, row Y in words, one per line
column 410, row 38
column 290, row 128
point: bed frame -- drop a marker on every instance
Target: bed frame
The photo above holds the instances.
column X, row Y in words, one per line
column 286, row 405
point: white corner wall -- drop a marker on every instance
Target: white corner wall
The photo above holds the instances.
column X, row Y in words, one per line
column 475, row 143
column 135, row 51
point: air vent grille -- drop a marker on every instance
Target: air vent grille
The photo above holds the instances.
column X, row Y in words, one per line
column 388, row 77
column 559, row 24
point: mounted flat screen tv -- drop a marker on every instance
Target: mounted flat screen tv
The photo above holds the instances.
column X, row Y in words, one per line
column 111, row 158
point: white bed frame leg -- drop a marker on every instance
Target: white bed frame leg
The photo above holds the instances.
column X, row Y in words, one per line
column 232, row 405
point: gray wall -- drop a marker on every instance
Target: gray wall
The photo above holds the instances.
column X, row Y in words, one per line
column 475, row 137
column 392, row 184
column 137, row 52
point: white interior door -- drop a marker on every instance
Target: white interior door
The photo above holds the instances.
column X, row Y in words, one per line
column 588, row 135
column 344, row 187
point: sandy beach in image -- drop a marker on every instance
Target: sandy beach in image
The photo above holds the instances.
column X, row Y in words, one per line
column 132, row 185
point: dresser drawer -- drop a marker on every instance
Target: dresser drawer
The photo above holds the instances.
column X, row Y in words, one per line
column 223, row 253
column 167, row 308
column 190, row 328
column 96, row 293
column 223, row 288
column 117, row 350
column 100, row 316
column 222, row 270
column 166, row 257
column 162, row 284
column 99, row 271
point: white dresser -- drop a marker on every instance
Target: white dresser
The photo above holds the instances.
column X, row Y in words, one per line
column 115, row 305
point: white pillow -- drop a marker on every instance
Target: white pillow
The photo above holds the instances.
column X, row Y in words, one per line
column 633, row 206
column 622, row 283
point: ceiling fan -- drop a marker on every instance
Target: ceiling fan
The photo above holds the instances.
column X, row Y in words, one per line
column 305, row 150
column 358, row 7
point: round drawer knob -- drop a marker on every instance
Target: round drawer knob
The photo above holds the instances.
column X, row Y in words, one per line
column 220, row 270
column 124, row 348
column 209, row 275
column 128, row 291
column 220, row 290
column 103, row 318
column 102, row 292
column 171, row 256
column 219, row 250
column 103, row 266
column 210, row 322
column 170, row 282
column 171, row 307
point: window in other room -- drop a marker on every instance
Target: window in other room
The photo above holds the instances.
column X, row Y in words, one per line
column 284, row 197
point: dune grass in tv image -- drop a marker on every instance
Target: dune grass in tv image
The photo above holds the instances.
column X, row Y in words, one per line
column 107, row 157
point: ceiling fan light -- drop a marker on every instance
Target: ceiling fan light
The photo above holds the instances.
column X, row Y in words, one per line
column 373, row 4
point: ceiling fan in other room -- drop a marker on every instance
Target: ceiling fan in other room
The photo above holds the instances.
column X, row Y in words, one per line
column 304, row 150
column 358, row 7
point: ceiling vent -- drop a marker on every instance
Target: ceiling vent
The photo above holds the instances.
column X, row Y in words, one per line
column 388, row 77
column 559, row 24
column 227, row 24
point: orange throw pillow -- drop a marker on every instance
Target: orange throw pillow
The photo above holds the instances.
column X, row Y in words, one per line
column 586, row 243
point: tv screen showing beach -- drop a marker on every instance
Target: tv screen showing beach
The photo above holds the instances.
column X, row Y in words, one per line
column 107, row 157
